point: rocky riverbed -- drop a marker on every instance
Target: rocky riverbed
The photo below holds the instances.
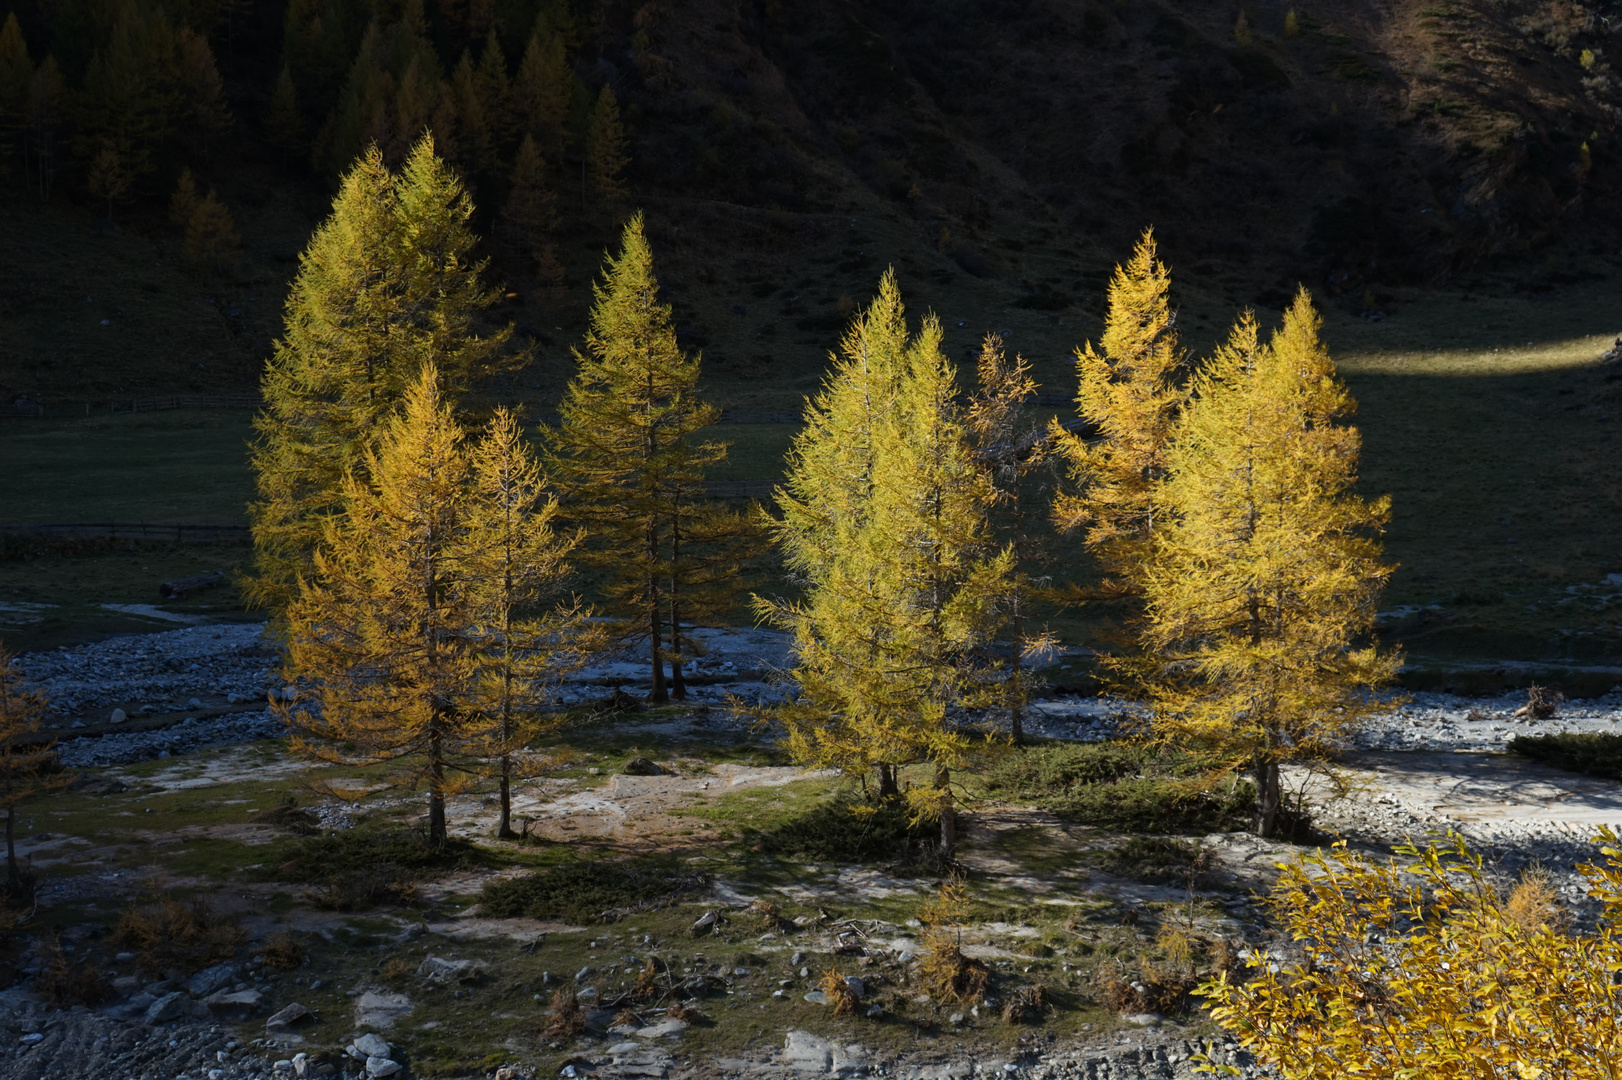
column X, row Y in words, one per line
column 1429, row 764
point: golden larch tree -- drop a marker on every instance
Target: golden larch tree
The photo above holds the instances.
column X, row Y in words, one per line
column 1262, row 588
column 389, row 281
column 607, row 151
column 625, row 453
column 885, row 525
column 1128, row 395
column 529, row 634
column 380, row 631
column 211, row 234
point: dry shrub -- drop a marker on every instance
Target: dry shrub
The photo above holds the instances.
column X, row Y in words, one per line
column 771, row 917
column 62, row 984
column 1223, row 957
column 1158, row 989
column 840, row 995
column 627, row 1018
column 1541, row 702
column 172, row 936
column 396, row 967
column 1026, row 1005
column 685, row 1013
column 282, row 952
column 946, row 973
column 565, row 1019
column 647, row 985
column 1534, row 902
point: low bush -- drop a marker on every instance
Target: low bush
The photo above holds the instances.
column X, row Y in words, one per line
column 589, row 892
column 64, row 985
column 170, row 936
column 1129, row 787
column 846, row 828
column 1595, row 753
column 283, row 952
column 360, row 868
column 1156, row 860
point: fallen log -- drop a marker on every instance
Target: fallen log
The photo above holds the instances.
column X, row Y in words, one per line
column 176, row 590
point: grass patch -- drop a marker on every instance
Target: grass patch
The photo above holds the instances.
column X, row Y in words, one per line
column 1157, row 860
column 846, row 828
column 364, row 867
column 1593, row 753
column 589, row 892
column 1126, row 786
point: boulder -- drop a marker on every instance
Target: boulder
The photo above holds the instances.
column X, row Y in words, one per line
column 664, row 1029
column 641, row 766
column 210, row 980
column 238, row 1003
column 380, row 1009
column 438, row 969
column 381, row 1066
column 118, row 716
column 371, row 1046
column 167, row 1009
column 286, row 1017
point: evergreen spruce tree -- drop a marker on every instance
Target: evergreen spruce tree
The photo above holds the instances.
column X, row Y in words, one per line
column 184, row 200
column 16, row 73
column 624, row 453
column 607, row 151
column 380, row 630
column 47, row 99
column 529, row 634
column 1267, row 569
column 211, row 234
column 1129, row 395
column 388, row 282
column 885, row 526
column 541, row 92
column 283, row 123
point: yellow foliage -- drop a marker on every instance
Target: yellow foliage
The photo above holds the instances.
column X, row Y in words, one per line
column 1128, row 392
column 1267, row 564
column 1421, row 969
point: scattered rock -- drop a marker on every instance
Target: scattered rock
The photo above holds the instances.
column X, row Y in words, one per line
column 663, row 1029
column 239, row 1003
column 210, row 980
column 438, row 969
column 381, row 1066
column 372, row 1045
column 118, row 716
column 286, row 1017
column 1143, row 1019
column 379, row 1009
column 641, row 766
column 167, row 1009
column 855, row 985
column 706, row 922
column 817, row 997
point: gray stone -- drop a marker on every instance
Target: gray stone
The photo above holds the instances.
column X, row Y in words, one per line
column 855, row 985
column 210, row 980
column 438, row 969
column 379, row 1009
column 287, row 1016
column 371, row 1046
column 381, row 1066
column 235, row 1003
column 817, row 997
column 167, row 1009
column 1143, row 1019
column 663, row 1029
column 641, row 766
column 119, row 716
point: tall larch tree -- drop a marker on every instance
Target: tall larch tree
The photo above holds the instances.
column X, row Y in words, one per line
column 47, row 108
column 1128, row 395
column 284, row 124
column 1266, row 571
column 607, row 151
column 211, row 233
column 625, row 453
column 530, row 634
column 1012, row 449
column 885, row 526
column 380, row 631
column 541, row 92
column 530, row 213
column 388, row 282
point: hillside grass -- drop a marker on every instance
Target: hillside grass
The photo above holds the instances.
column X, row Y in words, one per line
column 1485, row 418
